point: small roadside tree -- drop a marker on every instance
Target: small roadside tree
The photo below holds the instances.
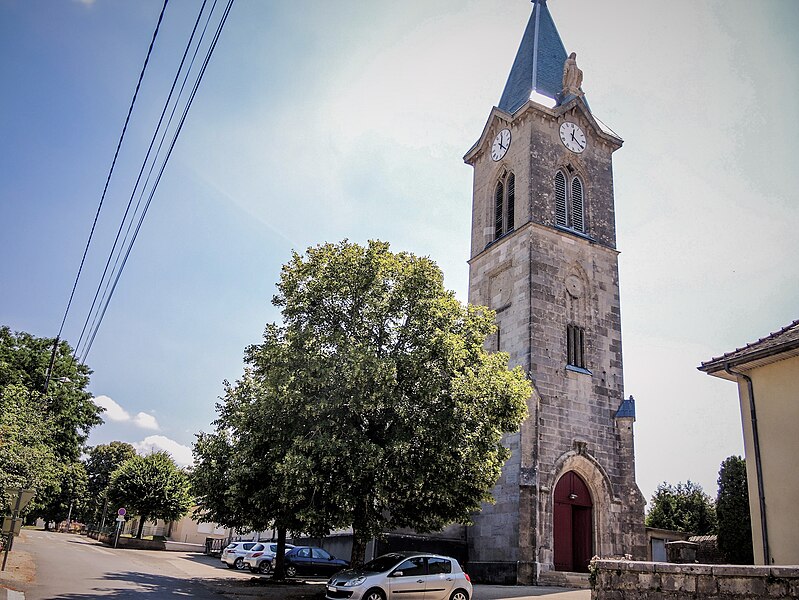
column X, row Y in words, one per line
column 732, row 508
column 682, row 507
column 151, row 487
column 101, row 462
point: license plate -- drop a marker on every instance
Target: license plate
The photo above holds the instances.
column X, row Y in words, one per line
column 330, row 588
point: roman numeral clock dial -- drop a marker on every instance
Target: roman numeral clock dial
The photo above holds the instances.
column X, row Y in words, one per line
column 500, row 145
column 572, row 137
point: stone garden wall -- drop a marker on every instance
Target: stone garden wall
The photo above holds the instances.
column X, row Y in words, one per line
column 630, row 580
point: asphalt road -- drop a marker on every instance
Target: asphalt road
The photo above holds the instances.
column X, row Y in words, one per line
column 71, row 567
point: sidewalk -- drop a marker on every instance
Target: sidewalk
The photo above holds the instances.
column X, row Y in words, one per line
column 20, row 571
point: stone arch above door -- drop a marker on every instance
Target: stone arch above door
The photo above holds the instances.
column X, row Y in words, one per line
column 605, row 502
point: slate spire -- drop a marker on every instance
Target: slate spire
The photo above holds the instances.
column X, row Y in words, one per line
column 539, row 62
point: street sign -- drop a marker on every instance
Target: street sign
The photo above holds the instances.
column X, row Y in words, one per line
column 12, row 525
column 17, row 499
column 120, row 519
column 122, row 512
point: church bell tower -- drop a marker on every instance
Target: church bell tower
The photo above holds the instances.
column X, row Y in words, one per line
column 544, row 257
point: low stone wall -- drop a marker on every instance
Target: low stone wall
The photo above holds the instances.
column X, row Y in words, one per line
column 630, row 580
column 126, row 542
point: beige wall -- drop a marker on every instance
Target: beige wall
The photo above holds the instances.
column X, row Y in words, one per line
column 191, row 532
column 776, row 388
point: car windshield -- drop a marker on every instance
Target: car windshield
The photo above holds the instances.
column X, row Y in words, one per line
column 382, row 563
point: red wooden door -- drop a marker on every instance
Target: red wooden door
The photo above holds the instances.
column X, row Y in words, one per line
column 572, row 526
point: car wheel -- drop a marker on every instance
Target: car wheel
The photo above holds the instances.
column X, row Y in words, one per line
column 265, row 568
column 239, row 563
column 374, row 594
column 459, row 595
column 291, row 571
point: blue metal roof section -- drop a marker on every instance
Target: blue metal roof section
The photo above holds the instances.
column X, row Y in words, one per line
column 627, row 408
column 539, row 62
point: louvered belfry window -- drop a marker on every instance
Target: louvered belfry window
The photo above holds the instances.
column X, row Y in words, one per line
column 504, row 204
column 575, row 346
column 560, row 200
column 577, row 204
column 499, row 196
column 569, row 202
column 509, row 204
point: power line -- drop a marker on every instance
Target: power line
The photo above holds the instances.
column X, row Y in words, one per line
column 175, row 136
column 141, row 171
column 111, row 170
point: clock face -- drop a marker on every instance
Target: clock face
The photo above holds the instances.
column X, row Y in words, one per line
column 572, row 137
column 500, row 145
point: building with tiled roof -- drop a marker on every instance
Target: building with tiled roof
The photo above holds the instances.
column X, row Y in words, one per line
column 767, row 374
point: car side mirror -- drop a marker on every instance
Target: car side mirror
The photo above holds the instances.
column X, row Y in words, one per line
column 331, row 557
column 397, row 574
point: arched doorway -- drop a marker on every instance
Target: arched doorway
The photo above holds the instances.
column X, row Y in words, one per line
column 573, row 524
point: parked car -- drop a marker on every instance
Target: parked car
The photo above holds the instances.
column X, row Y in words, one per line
column 406, row 575
column 310, row 560
column 261, row 557
column 233, row 554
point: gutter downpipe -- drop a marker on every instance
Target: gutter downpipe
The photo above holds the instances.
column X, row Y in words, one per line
column 761, row 494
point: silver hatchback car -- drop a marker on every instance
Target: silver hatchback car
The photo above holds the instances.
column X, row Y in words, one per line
column 409, row 575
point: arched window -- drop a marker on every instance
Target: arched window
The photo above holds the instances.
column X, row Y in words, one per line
column 504, row 204
column 577, row 204
column 560, row 200
column 569, row 202
column 499, row 196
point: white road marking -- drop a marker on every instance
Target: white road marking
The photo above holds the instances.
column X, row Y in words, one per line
column 14, row 595
column 101, row 551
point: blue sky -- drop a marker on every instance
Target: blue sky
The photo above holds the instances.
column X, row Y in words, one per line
column 322, row 120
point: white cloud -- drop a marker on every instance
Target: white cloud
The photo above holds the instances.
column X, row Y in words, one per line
column 145, row 421
column 115, row 412
column 154, row 443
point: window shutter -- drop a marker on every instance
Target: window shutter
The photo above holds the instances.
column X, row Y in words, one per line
column 577, row 205
column 511, row 200
column 560, row 199
column 500, row 192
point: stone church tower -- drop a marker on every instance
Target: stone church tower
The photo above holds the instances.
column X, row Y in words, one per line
column 543, row 256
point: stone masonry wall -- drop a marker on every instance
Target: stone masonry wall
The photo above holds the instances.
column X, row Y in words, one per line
column 628, row 580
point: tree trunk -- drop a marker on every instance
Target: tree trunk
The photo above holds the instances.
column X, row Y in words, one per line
column 359, row 541
column 141, row 527
column 279, row 571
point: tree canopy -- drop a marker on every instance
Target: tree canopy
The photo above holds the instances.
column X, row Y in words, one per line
column 24, row 360
column 26, row 459
column 732, row 509
column 387, row 410
column 101, row 462
column 43, row 432
column 682, row 507
column 151, row 487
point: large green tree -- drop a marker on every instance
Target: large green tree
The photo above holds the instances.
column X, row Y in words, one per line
column 45, row 423
column 24, row 360
column 151, row 487
column 682, row 507
column 397, row 411
column 27, row 460
column 732, row 509
column 101, row 462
